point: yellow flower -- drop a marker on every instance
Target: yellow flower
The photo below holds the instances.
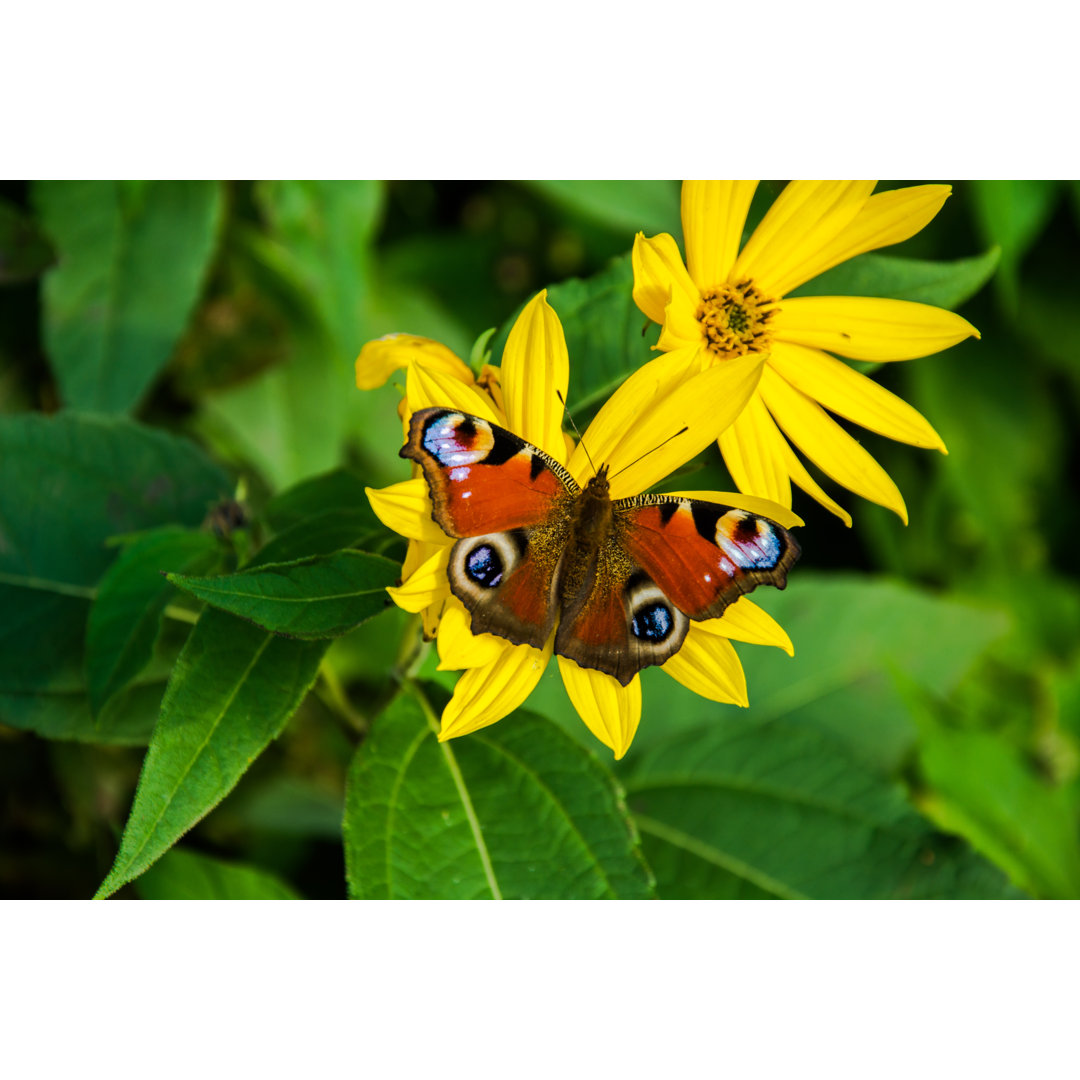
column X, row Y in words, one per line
column 423, row 361
column 647, row 409
column 723, row 304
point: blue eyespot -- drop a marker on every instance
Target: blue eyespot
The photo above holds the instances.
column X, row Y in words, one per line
column 484, row 566
column 652, row 622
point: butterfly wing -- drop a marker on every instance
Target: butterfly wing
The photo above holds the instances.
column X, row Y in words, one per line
column 703, row 556
column 507, row 504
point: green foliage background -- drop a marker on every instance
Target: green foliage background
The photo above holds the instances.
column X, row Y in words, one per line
column 167, row 347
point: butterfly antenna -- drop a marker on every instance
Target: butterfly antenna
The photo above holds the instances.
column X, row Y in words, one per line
column 581, row 441
column 648, row 452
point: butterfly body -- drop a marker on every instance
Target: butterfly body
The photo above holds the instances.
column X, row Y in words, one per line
column 618, row 581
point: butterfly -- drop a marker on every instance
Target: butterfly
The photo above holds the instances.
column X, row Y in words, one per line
column 617, row 580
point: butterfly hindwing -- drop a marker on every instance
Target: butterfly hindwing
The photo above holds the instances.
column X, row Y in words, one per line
column 703, row 556
column 507, row 503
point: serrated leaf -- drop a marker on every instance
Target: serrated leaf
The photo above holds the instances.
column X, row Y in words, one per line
column 516, row 810
column 67, row 484
column 607, row 336
column 126, row 613
column 233, row 689
column 320, row 597
column 190, row 875
column 788, row 810
column 115, row 308
column 980, row 788
column 627, row 206
column 322, row 534
column 923, row 281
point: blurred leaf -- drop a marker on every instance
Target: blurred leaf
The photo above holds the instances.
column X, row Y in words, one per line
column 1012, row 213
column 684, row 874
column 320, row 597
column 630, row 206
column 518, row 810
column 24, row 252
column 295, row 807
column 850, row 633
column 132, row 265
column 290, row 421
column 127, row 719
column 607, row 337
column 126, row 614
column 325, row 229
column 68, row 483
column 339, row 489
column 190, row 875
column 980, row 788
column 923, row 281
column 785, row 808
column 233, row 689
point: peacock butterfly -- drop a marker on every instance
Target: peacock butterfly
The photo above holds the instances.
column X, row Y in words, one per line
column 621, row 578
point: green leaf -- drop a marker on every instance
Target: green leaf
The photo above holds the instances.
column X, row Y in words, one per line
column 127, row 720
column 322, row 534
column 788, row 810
column 607, row 336
column 338, row 489
column 24, row 253
column 132, row 265
column 923, row 281
column 320, row 597
column 325, row 229
column 629, row 206
column 516, row 810
column 67, row 484
column 1012, row 213
column 190, row 875
column 979, row 787
column 232, row 691
column 126, row 614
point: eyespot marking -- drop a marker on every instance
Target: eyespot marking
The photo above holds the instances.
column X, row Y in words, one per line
column 484, row 566
column 652, row 622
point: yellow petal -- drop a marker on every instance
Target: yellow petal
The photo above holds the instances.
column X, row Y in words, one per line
column 380, row 358
column 708, row 665
column 426, row 388
column 494, row 690
column 797, row 470
column 458, row 646
column 807, row 215
column 745, row 621
column 427, row 584
column 831, row 448
column 648, row 385
column 535, row 371
column 886, row 218
column 681, row 327
column 609, row 710
column 850, row 394
column 753, row 451
column 491, row 383
column 417, row 554
column 713, row 215
column 774, row 511
column 680, row 425
column 869, row 328
column 659, row 274
column 406, row 508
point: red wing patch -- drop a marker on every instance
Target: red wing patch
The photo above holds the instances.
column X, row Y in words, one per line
column 705, row 556
column 482, row 478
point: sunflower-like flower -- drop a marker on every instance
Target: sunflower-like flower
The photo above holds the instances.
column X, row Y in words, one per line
column 645, row 411
column 724, row 303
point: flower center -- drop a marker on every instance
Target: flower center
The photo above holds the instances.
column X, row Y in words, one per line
column 735, row 318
